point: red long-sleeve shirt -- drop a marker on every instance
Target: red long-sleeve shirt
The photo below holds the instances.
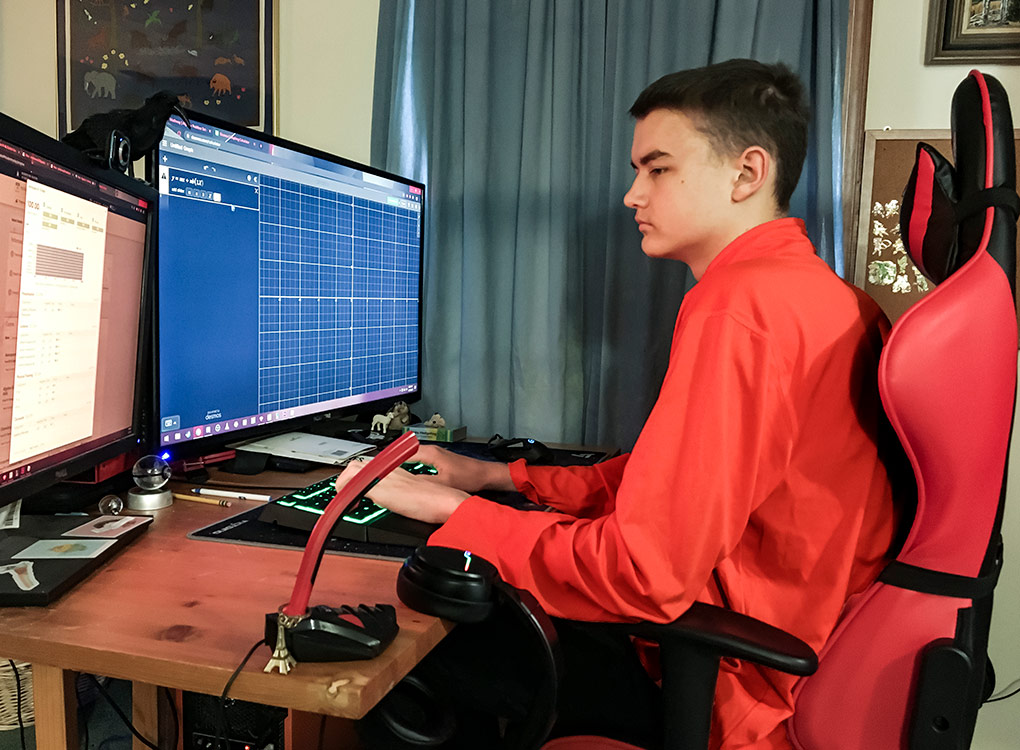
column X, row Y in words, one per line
column 758, row 460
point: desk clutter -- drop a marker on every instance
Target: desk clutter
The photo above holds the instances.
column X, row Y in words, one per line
column 44, row 556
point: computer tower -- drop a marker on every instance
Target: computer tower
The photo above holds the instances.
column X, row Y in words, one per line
column 249, row 726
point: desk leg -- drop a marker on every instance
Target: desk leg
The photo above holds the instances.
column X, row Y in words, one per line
column 144, row 713
column 56, row 708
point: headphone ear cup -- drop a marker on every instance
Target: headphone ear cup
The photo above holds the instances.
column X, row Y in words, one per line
column 411, row 715
column 448, row 583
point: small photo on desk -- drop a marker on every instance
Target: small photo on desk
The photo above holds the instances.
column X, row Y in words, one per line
column 108, row 527
column 63, row 549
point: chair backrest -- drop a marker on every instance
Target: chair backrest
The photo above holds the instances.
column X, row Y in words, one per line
column 906, row 666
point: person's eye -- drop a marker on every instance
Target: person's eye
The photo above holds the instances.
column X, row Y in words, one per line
column 657, row 170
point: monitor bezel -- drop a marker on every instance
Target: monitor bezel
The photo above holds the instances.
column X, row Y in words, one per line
column 214, row 444
column 71, row 158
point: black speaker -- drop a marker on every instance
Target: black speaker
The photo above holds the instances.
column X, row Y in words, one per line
column 247, row 726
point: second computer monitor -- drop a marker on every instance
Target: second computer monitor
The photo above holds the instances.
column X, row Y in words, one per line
column 289, row 285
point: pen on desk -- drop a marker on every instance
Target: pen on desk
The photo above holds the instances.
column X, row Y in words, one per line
column 235, row 495
column 197, row 499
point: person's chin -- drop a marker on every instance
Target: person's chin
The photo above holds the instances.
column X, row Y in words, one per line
column 653, row 249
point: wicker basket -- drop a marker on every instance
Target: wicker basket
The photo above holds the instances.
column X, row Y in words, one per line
column 9, row 695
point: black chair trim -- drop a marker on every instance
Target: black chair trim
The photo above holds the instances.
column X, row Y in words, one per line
column 996, row 197
column 913, row 578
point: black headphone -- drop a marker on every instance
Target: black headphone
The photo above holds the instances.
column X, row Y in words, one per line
column 467, row 589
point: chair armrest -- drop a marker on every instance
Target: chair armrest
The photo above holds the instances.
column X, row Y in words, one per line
column 729, row 634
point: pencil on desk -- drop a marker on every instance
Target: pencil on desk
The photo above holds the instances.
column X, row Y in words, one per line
column 198, row 499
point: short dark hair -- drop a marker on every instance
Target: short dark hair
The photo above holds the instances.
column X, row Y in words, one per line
column 737, row 104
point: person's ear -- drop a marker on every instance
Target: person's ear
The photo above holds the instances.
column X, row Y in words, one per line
column 754, row 168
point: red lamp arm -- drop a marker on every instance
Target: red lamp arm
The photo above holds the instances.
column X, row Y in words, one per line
column 388, row 459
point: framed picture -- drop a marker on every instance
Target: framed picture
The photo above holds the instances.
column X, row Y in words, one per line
column 963, row 31
column 883, row 269
column 216, row 55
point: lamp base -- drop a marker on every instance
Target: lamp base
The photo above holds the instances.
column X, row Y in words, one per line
column 139, row 499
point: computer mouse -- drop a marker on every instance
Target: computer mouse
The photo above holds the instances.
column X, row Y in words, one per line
column 328, row 634
column 512, row 449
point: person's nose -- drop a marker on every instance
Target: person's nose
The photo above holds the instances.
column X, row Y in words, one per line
column 635, row 197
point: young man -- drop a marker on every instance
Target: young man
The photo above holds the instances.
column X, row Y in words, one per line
column 756, row 482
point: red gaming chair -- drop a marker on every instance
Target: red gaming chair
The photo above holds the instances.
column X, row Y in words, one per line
column 948, row 381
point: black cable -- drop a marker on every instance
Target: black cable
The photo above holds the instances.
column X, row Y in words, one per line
column 1003, row 697
column 123, row 717
column 222, row 729
column 173, row 712
column 17, row 688
column 322, row 731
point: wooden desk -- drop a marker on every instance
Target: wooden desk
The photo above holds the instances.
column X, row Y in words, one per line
column 180, row 613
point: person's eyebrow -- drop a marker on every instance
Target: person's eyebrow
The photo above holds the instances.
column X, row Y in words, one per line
column 650, row 156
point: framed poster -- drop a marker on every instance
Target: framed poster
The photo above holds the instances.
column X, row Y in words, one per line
column 216, row 55
column 971, row 31
column 883, row 268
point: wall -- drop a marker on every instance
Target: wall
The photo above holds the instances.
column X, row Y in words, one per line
column 326, row 59
column 903, row 93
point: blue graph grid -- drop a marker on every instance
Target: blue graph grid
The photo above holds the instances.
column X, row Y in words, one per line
column 338, row 296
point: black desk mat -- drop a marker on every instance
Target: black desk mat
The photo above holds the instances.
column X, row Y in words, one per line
column 560, row 456
column 246, row 528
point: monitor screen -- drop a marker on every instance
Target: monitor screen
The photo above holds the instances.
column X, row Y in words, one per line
column 289, row 285
column 72, row 261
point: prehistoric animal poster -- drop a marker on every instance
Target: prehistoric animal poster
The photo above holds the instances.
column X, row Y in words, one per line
column 216, row 55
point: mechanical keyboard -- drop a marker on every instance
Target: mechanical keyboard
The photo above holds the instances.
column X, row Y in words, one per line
column 361, row 521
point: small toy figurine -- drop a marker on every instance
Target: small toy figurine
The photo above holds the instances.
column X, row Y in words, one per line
column 436, row 420
column 400, row 414
column 380, row 423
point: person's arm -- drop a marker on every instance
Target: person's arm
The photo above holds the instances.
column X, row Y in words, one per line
column 715, row 445
column 581, row 491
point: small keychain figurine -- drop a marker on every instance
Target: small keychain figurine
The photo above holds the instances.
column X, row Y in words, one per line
column 281, row 658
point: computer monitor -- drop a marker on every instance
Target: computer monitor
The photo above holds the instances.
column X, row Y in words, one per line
column 288, row 286
column 73, row 267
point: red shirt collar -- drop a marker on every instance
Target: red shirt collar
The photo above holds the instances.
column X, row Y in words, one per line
column 779, row 236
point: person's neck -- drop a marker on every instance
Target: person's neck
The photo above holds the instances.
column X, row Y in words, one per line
column 744, row 222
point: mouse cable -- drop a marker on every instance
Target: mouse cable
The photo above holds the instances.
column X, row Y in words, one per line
column 223, row 729
column 117, row 710
column 17, row 689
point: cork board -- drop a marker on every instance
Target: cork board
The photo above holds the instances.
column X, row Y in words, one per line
column 883, row 268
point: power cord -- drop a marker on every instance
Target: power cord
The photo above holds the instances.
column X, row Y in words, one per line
column 17, row 689
column 123, row 717
column 223, row 729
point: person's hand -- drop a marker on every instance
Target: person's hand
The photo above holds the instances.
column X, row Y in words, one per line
column 464, row 473
column 409, row 495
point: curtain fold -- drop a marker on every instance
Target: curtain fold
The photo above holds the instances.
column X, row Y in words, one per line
column 542, row 316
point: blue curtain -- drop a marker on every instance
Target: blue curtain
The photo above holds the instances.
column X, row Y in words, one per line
column 542, row 316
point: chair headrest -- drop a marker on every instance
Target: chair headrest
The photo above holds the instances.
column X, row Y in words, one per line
column 951, row 213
